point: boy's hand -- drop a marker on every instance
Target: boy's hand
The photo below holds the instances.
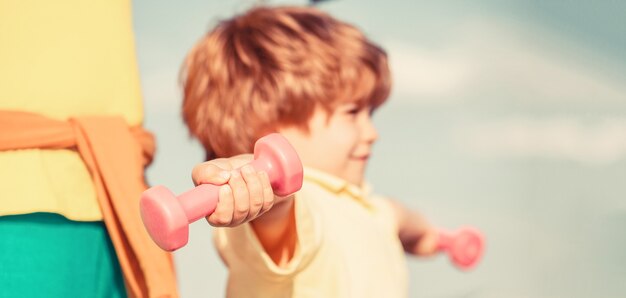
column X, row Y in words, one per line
column 417, row 235
column 427, row 243
column 244, row 195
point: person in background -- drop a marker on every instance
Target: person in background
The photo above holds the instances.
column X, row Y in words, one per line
column 72, row 155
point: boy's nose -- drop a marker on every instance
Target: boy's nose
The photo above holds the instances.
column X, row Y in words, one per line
column 369, row 133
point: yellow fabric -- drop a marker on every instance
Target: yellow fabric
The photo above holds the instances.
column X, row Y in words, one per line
column 63, row 59
column 347, row 246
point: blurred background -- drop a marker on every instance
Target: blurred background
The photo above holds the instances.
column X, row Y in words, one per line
column 506, row 115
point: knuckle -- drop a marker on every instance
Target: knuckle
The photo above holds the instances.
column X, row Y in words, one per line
column 268, row 204
column 241, row 209
column 258, row 204
column 222, row 220
column 238, row 219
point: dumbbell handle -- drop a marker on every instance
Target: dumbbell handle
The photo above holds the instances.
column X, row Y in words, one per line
column 202, row 200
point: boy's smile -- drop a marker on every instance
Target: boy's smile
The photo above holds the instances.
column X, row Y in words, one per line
column 338, row 142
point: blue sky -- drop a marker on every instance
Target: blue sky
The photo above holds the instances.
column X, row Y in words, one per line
column 506, row 115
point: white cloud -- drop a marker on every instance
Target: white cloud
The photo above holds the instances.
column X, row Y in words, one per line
column 495, row 60
column 424, row 74
column 596, row 143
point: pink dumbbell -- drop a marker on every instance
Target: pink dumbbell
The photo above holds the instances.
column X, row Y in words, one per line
column 464, row 247
column 167, row 217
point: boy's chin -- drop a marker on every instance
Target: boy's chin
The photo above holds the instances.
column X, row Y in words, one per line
column 356, row 179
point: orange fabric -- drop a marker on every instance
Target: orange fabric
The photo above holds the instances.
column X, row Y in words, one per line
column 115, row 156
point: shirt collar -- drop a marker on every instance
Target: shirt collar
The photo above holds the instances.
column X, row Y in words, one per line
column 338, row 185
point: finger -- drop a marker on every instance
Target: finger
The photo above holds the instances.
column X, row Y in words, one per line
column 223, row 214
column 428, row 243
column 240, row 160
column 268, row 192
column 213, row 172
column 241, row 197
column 255, row 190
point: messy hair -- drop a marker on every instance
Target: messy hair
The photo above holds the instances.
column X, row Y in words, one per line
column 270, row 68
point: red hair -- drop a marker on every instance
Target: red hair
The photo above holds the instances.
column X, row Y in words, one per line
column 269, row 68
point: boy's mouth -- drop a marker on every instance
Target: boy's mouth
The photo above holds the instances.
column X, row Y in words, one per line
column 364, row 157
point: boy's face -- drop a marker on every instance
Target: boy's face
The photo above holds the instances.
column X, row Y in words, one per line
column 338, row 143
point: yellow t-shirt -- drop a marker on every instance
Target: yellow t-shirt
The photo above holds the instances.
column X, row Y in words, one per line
column 62, row 59
column 348, row 246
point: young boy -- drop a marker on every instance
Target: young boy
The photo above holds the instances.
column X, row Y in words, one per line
column 317, row 81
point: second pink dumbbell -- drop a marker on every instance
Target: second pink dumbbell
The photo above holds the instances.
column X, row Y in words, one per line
column 167, row 217
column 464, row 247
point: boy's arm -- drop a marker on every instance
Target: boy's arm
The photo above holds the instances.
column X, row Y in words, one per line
column 247, row 196
column 276, row 230
column 418, row 237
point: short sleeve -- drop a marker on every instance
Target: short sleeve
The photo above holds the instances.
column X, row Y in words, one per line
column 242, row 251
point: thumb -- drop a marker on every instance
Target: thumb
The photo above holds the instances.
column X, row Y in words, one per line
column 427, row 246
column 215, row 172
